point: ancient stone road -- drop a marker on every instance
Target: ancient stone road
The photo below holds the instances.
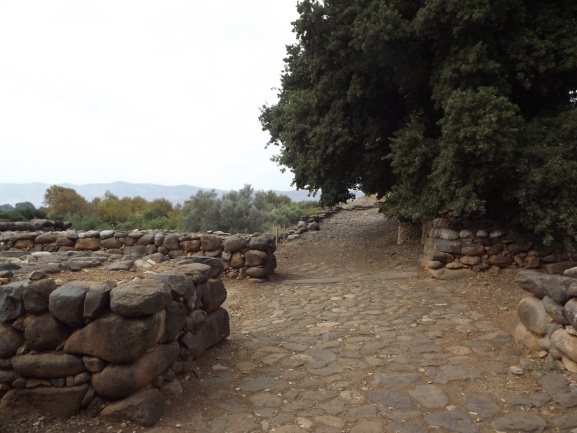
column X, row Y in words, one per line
column 371, row 353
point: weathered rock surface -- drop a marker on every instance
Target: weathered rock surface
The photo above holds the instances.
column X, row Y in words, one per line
column 122, row 380
column 116, row 338
column 144, row 408
column 140, row 298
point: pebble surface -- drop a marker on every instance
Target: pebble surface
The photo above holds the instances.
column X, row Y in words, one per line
column 375, row 354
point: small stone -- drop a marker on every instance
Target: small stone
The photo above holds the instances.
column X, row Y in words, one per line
column 516, row 370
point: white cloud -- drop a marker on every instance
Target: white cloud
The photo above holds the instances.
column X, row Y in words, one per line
column 140, row 91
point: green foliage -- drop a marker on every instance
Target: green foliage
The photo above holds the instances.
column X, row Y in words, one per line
column 201, row 212
column 467, row 107
column 242, row 211
column 22, row 213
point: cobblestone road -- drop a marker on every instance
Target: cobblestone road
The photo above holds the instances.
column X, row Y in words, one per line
column 367, row 353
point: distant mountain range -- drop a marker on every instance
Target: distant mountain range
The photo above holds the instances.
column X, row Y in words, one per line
column 12, row 193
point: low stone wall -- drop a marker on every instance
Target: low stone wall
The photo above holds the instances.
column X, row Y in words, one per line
column 242, row 256
column 110, row 350
column 548, row 317
column 460, row 253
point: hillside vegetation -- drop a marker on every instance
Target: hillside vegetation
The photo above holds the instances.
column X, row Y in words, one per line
column 242, row 211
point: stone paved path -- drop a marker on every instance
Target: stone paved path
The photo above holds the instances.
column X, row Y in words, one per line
column 371, row 353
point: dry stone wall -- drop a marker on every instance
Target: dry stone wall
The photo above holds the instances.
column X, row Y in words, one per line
column 241, row 256
column 547, row 326
column 451, row 253
column 107, row 349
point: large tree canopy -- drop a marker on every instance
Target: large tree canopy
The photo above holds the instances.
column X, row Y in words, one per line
column 466, row 106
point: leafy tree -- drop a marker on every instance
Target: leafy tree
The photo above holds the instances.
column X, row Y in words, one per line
column 63, row 201
column 466, row 106
column 242, row 211
column 201, row 212
column 24, row 205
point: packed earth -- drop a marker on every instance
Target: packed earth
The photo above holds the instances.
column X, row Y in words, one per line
column 350, row 335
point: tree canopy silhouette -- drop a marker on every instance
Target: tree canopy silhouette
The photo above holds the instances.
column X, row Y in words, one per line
column 460, row 106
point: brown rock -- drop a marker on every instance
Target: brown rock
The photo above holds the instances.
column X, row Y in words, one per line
column 558, row 268
column 533, row 315
column 526, row 338
column 116, row 338
column 93, row 364
column 210, row 243
column 237, row 260
column 57, row 402
column 10, row 340
column 257, row 272
column 110, row 243
column 472, row 249
column 495, row 249
column 262, row 243
column 119, row 381
column 213, row 295
column 47, row 365
column 46, row 238
column 63, row 241
column 92, row 244
column 500, row 261
column 565, row 343
column 255, row 258
column 144, row 408
column 23, row 244
column 470, row 260
column 234, row 244
column 191, row 246
column 44, row 332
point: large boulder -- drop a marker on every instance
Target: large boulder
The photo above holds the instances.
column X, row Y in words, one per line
column 117, row 339
column 533, row 315
column 36, row 295
column 57, row 402
column 234, row 244
column 262, row 243
column 44, row 332
column 140, row 298
column 122, row 380
column 557, row 287
column 47, row 365
column 180, row 284
column 10, row 341
column 97, row 299
column 565, row 343
column 215, row 328
column 144, row 408
column 210, row 243
column 255, row 258
column 213, row 295
column 66, row 303
column 11, row 303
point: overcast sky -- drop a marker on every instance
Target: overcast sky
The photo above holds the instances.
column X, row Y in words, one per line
column 164, row 92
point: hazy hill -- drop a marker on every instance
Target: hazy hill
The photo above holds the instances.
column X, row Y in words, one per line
column 12, row 193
